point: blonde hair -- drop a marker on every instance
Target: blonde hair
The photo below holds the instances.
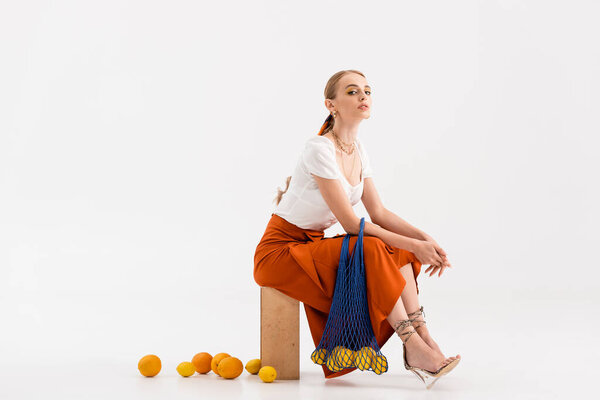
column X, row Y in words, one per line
column 330, row 92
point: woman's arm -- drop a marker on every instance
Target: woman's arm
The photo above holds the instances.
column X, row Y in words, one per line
column 392, row 222
column 333, row 194
column 386, row 218
column 335, row 197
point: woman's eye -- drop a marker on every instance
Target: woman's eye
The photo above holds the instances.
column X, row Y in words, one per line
column 354, row 91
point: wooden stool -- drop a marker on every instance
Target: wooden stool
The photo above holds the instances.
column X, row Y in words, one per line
column 280, row 333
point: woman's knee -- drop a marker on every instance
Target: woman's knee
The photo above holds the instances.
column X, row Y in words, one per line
column 373, row 243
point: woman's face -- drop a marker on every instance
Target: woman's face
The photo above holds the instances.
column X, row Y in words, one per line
column 352, row 91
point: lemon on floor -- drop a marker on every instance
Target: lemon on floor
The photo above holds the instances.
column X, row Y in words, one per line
column 267, row 374
column 186, row 369
column 253, row 366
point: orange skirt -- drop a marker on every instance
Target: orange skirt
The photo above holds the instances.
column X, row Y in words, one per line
column 303, row 264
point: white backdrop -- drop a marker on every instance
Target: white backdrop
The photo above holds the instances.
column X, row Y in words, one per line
column 141, row 145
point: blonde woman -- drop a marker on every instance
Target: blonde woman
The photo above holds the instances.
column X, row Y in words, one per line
column 333, row 174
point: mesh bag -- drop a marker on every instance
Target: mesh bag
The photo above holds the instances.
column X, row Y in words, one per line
column 348, row 340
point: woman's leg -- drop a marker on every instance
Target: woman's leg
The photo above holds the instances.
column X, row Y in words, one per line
column 418, row 353
column 410, row 300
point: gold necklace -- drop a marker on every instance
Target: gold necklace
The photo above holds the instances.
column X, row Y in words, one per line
column 340, row 146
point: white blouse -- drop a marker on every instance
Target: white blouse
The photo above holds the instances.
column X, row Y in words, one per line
column 302, row 204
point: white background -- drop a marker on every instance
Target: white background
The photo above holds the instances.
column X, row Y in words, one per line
column 142, row 142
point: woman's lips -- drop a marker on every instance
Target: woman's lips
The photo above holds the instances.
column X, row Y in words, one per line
column 364, row 107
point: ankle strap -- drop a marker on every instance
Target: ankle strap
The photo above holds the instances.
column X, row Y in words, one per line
column 418, row 313
column 403, row 324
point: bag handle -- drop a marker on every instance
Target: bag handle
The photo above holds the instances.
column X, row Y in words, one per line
column 358, row 246
column 361, row 231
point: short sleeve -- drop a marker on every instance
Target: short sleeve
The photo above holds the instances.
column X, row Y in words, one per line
column 319, row 158
column 367, row 170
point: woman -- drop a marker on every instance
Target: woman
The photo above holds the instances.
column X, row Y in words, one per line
column 332, row 175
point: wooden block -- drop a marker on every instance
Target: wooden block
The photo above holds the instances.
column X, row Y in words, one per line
column 280, row 333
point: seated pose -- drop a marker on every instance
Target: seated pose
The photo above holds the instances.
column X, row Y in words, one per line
column 332, row 174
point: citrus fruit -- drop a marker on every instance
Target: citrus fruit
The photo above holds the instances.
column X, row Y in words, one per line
column 253, row 366
column 267, row 374
column 380, row 365
column 149, row 365
column 365, row 358
column 318, row 356
column 215, row 361
column 186, row 369
column 201, row 362
column 332, row 365
column 344, row 356
column 230, row 367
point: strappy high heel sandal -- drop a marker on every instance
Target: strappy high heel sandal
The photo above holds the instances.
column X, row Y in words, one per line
column 428, row 377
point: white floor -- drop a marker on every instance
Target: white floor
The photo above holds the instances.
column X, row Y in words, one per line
column 516, row 347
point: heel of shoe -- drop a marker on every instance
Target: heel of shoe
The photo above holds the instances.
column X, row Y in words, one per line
column 427, row 379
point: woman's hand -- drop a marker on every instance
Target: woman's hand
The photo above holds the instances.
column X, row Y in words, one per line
column 435, row 267
column 427, row 254
column 440, row 251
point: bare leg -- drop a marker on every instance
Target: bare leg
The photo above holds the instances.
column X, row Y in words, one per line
column 411, row 302
column 418, row 353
